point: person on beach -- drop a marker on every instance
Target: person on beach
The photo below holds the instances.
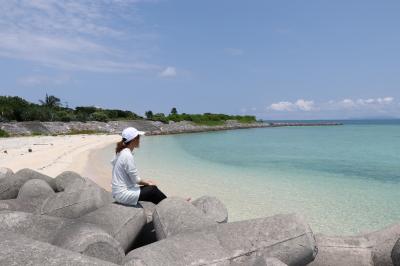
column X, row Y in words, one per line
column 127, row 187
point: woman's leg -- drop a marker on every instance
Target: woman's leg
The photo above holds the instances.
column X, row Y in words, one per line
column 151, row 193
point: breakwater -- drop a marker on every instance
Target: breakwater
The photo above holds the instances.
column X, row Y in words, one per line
column 70, row 220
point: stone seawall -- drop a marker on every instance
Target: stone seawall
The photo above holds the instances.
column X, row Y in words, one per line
column 115, row 127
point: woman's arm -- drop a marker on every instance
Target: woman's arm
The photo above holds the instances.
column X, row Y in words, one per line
column 130, row 168
column 146, row 183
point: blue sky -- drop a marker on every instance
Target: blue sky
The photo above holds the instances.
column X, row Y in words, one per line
column 273, row 59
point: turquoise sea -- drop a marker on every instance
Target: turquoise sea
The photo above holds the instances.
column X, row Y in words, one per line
column 344, row 179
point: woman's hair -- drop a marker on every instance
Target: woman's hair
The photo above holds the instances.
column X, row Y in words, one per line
column 122, row 144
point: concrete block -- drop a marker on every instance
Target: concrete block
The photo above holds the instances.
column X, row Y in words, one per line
column 4, row 172
column 63, row 180
column 349, row 251
column 75, row 203
column 149, row 208
column 16, row 249
column 175, row 215
column 396, row 254
column 30, row 197
column 285, row 237
column 260, row 261
column 124, row 223
column 212, row 207
column 10, row 185
column 382, row 242
column 84, row 238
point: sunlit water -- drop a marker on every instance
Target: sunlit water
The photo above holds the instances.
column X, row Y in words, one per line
column 343, row 179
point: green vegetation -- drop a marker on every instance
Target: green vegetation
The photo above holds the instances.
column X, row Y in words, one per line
column 37, row 133
column 50, row 109
column 3, row 134
column 208, row 119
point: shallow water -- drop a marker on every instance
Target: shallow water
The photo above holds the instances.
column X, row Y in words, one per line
column 343, row 179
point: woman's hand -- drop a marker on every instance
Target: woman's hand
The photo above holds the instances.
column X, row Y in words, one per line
column 151, row 183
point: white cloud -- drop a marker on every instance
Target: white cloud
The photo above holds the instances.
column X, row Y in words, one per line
column 234, row 51
column 281, row 106
column 75, row 35
column 168, row 72
column 304, row 105
column 299, row 105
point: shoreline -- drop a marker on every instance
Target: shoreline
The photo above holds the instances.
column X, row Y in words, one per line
column 52, row 155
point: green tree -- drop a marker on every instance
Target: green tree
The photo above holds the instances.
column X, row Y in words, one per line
column 160, row 117
column 50, row 101
column 149, row 114
column 99, row 116
column 174, row 111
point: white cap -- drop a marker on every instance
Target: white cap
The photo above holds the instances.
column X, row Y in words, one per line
column 130, row 133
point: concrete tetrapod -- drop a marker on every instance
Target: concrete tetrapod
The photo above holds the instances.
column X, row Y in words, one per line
column 175, row 215
column 73, row 204
column 285, row 237
column 396, row 254
column 10, row 185
column 4, row 172
column 148, row 233
column 349, row 251
column 30, row 197
column 212, row 207
column 65, row 179
column 382, row 242
column 16, row 249
column 124, row 223
column 260, row 261
column 87, row 239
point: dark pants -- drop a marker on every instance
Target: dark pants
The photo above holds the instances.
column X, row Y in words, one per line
column 151, row 193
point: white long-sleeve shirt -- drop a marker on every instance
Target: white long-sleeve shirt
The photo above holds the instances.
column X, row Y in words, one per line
column 125, row 178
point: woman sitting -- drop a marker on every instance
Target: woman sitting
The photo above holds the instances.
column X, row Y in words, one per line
column 127, row 187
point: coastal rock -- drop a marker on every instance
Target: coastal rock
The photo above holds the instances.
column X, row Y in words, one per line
column 213, row 208
column 396, row 254
column 124, row 223
column 382, row 242
column 76, row 203
column 349, row 251
column 175, row 215
column 10, row 185
column 4, row 172
column 285, row 237
column 87, row 239
column 16, row 249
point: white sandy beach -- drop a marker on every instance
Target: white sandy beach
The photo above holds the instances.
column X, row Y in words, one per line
column 52, row 155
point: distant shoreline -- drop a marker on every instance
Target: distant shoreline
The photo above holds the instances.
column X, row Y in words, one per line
column 37, row 128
